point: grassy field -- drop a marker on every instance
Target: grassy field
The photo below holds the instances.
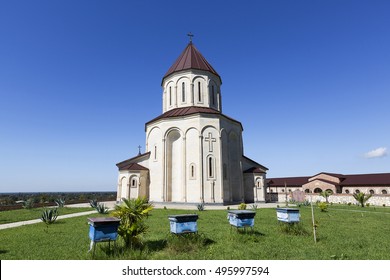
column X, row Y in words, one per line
column 343, row 233
column 34, row 213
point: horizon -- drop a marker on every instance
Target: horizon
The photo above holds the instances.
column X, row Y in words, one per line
column 309, row 81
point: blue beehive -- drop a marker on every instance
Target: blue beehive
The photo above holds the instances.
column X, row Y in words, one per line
column 103, row 229
column 241, row 218
column 185, row 223
column 288, row 215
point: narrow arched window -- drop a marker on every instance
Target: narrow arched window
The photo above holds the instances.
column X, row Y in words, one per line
column 199, row 92
column 170, row 96
column 210, row 167
column 212, row 95
column 183, row 92
column 133, row 183
column 192, row 171
column 155, row 152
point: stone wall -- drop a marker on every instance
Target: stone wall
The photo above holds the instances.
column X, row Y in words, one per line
column 375, row 200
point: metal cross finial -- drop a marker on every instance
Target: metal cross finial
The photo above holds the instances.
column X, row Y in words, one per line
column 190, row 35
column 139, row 150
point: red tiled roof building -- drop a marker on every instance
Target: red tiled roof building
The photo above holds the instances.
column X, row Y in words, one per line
column 194, row 153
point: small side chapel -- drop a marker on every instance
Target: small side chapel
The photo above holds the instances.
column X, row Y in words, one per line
column 194, row 153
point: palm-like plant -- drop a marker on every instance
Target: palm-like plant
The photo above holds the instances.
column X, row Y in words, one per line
column 326, row 194
column 362, row 198
column 132, row 213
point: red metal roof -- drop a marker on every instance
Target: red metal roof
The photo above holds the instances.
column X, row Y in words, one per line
column 191, row 58
column 289, row 181
column 126, row 163
column 366, row 179
column 347, row 180
column 186, row 111
column 133, row 166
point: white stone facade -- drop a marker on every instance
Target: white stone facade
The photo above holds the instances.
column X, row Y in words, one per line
column 194, row 153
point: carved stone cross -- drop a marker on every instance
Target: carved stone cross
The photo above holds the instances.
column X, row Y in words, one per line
column 210, row 139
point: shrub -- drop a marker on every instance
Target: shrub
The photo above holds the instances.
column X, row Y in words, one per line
column 367, row 204
column 242, row 206
column 93, row 203
column 60, row 202
column 132, row 213
column 49, row 216
column 101, row 208
column 27, row 204
column 254, row 207
column 361, row 198
column 323, row 206
column 384, row 205
column 200, row 207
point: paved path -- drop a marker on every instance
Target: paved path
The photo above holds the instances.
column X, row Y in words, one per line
column 111, row 204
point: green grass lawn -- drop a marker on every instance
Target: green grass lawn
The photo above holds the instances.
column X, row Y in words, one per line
column 342, row 234
column 34, row 213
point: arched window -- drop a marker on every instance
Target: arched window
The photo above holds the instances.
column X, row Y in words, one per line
column 212, row 95
column 329, row 191
column 155, row 152
column 317, row 190
column 183, row 92
column 307, row 191
column 133, row 183
column 372, row 192
column 199, row 92
column 210, row 167
column 170, row 96
column 192, row 171
column 384, row 192
column 347, row 191
column 357, row 191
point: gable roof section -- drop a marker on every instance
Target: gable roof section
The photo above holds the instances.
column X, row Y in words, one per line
column 377, row 179
column 257, row 168
column 126, row 164
column 191, row 58
column 290, row 181
column 187, row 111
column 134, row 167
column 366, row 179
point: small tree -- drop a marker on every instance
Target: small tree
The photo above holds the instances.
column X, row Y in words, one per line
column 132, row 213
column 326, row 194
column 361, row 198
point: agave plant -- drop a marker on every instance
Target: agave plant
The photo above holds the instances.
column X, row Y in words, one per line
column 60, row 202
column 101, row 208
column 27, row 204
column 200, row 206
column 132, row 213
column 361, row 198
column 93, row 203
column 49, row 216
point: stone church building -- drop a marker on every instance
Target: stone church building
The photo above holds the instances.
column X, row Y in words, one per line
column 194, row 152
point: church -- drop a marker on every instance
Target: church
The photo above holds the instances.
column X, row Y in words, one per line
column 194, row 152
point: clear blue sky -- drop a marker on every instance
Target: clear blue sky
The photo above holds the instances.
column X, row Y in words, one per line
column 309, row 81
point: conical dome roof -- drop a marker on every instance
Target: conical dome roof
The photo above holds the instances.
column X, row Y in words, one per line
column 191, row 58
